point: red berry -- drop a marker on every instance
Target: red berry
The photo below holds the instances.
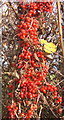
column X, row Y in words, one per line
column 60, row 99
column 22, row 114
column 57, row 102
column 43, row 90
column 55, row 93
column 22, row 95
column 60, row 110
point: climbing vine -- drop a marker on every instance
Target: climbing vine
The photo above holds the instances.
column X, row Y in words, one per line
column 29, row 90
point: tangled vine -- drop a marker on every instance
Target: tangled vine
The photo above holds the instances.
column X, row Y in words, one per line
column 32, row 64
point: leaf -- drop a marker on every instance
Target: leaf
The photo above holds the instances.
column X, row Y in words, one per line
column 52, row 45
column 50, row 48
column 52, row 77
column 42, row 41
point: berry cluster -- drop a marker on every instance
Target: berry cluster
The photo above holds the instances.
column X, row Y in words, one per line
column 52, row 89
column 36, row 7
column 28, row 29
column 12, row 110
column 28, row 90
column 29, row 113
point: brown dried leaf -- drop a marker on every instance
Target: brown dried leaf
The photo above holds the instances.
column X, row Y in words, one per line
column 15, row 74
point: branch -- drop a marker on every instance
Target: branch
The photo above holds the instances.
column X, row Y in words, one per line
column 60, row 27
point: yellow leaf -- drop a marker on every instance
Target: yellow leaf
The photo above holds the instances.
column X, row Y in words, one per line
column 47, row 51
column 50, row 48
column 52, row 45
column 42, row 41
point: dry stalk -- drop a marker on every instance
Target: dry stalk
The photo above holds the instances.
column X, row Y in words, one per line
column 60, row 26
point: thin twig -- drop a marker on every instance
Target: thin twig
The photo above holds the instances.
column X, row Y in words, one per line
column 9, row 4
column 40, row 111
column 38, row 98
column 56, row 53
column 59, row 82
column 1, row 103
column 48, row 104
column 19, row 111
column 57, row 71
column 13, row 9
